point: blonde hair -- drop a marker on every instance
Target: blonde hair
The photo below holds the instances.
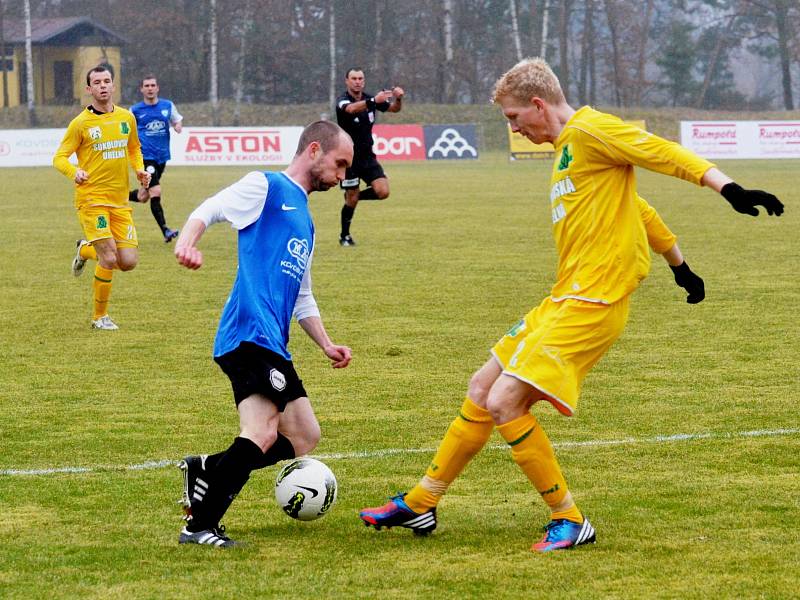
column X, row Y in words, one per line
column 528, row 78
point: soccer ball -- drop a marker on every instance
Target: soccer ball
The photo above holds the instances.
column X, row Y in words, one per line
column 305, row 489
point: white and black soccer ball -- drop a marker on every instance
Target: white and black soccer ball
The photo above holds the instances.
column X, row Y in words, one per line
column 305, row 489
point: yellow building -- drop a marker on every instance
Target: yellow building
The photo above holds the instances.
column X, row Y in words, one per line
column 63, row 51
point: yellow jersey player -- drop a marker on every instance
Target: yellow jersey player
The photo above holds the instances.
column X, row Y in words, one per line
column 105, row 140
column 599, row 228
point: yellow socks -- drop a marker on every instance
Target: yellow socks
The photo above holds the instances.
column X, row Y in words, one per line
column 533, row 452
column 102, row 289
column 88, row 252
column 467, row 434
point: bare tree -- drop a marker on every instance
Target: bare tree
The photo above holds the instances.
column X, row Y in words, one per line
column 377, row 53
column 3, row 54
column 563, row 37
column 29, row 65
column 781, row 8
column 643, row 38
column 515, row 28
column 616, row 66
column 545, row 21
column 242, row 29
column 332, row 53
column 778, row 21
column 723, row 34
column 212, row 60
column 587, row 51
column 449, row 92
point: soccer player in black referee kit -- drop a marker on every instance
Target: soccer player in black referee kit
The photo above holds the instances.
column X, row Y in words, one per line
column 355, row 113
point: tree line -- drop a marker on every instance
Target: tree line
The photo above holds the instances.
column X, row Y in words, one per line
column 610, row 52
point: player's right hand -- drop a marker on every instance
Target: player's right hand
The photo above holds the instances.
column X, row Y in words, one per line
column 189, row 256
column 81, row 176
column 745, row 201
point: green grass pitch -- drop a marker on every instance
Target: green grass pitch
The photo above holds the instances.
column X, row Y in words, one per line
column 457, row 254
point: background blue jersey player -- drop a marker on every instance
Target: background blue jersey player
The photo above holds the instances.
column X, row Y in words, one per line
column 154, row 117
column 275, row 241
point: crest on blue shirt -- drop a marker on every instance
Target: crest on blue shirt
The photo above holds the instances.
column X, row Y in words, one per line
column 298, row 249
column 165, row 113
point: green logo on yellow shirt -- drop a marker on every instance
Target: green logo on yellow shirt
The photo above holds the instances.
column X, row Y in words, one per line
column 123, row 127
column 566, row 158
column 102, row 222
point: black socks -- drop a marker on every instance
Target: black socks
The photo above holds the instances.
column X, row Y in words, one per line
column 228, row 472
column 158, row 212
column 347, row 217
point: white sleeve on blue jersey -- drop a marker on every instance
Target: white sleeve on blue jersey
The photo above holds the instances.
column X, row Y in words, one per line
column 240, row 204
column 174, row 115
column 305, row 306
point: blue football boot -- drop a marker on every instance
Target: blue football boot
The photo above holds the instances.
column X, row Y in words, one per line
column 396, row 513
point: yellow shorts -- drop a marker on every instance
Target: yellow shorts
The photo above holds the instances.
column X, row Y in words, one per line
column 557, row 343
column 103, row 222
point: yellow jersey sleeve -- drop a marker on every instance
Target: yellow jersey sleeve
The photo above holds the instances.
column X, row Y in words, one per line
column 622, row 143
column 135, row 147
column 659, row 236
column 69, row 144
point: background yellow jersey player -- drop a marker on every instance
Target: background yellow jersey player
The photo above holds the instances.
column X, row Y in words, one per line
column 601, row 229
column 105, row 140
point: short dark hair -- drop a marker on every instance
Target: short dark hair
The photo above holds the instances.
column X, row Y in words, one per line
column 327, row 133
column 99, row 69
column 351, row 69
column 146, row 77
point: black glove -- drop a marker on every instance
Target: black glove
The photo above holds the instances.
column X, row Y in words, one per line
column 689, row 281
column 745, row 201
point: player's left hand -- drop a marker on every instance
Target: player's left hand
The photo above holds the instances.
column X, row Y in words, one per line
column 745, row 201
column 689, row 281
column 143, row 177
column 340, row 355
column 397, row 92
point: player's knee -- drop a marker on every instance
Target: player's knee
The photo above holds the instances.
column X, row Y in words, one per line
column 382, row 194
column 497, row 408
column 127, row 263
column 264, row 437
column 107, row 259
column 307, row 440
column 478, row 390
column 503, row 408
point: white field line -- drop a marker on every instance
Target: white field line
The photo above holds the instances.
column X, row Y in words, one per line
column 658, row 439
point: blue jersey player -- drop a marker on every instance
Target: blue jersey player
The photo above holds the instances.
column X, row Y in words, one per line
column 154, row 117
column 270, row 212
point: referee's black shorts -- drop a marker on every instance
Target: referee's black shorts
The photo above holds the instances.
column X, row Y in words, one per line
column 253, row 369
column 368, row 169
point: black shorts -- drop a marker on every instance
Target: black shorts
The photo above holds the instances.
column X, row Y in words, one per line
column 368, row 169
column 256, row 370
column 156, row 170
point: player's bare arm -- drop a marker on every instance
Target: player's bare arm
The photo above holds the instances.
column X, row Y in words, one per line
column 186, row 251
column 340, row 355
